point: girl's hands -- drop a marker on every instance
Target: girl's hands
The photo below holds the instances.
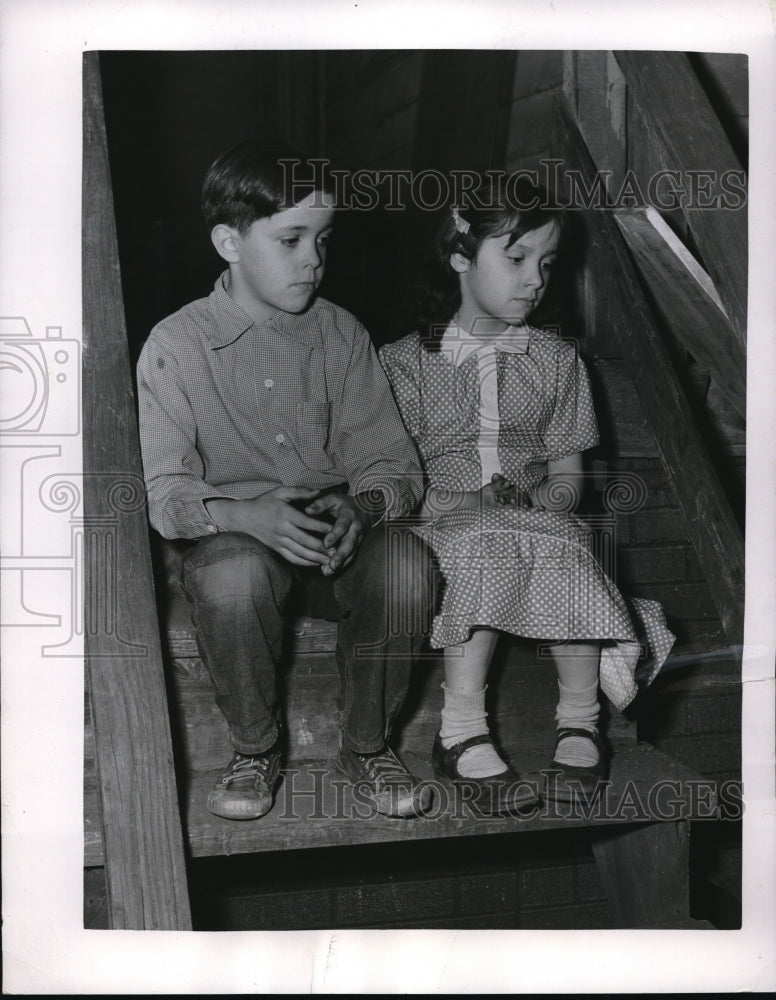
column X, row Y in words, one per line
column 497, row 493
column 500, row 491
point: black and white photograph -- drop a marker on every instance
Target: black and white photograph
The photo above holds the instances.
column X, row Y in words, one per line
column 382, row 535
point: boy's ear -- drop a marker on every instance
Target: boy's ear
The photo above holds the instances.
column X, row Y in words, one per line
column 459, row 263
column 227, row 242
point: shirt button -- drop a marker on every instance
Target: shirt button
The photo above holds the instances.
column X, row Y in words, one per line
column 268, row 383
column 212, row 528
column 280, row 438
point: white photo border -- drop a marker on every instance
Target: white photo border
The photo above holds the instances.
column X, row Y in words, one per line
column 45, row 947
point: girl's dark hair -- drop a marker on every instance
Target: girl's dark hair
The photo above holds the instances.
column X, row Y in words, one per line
column 258, row 178
column 501, row 205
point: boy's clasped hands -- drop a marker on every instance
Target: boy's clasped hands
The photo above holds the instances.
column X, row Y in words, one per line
column 300, row 525
column 343, row 537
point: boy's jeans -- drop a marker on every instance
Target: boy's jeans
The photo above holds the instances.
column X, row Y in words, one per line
column 240, row 592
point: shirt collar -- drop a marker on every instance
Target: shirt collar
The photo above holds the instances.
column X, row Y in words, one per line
column 231, row 321
column 457, row 345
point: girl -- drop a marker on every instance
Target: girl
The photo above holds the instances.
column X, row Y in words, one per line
column 501, row 412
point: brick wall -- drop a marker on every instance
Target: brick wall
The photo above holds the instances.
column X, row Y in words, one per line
column 693, row 709
column 493, row 882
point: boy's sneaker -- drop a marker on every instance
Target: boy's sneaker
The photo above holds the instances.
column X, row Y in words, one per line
column 388, row 784
column 246, row 789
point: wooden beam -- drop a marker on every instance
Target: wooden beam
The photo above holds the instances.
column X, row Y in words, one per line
column 145, row 866
column 679, row 116
column 710, row 523
column 687, row 299
column 595, row 88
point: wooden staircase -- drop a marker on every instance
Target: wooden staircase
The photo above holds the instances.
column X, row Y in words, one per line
column 154, row 739
column 316, row 808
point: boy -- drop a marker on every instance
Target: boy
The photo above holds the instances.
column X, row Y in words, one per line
column 270, row 435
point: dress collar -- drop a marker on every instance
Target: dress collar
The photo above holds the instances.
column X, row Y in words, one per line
column 457, row 345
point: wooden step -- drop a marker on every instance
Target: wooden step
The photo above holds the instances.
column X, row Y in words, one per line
column 315, row 807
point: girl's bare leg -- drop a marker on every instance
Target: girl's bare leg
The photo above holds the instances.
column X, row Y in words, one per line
column 467, row 664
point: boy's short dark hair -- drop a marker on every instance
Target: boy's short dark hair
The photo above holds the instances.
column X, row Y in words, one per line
column 258, row 178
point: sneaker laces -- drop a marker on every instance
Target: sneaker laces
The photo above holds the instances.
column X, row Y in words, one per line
column 385, row 768
column 244, row 766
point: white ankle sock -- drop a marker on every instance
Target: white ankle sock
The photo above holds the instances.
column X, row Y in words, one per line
column 464, row 716
column 577, row 710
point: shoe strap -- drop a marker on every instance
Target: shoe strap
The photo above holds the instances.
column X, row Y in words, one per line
column 589, row 734
column 457, row 750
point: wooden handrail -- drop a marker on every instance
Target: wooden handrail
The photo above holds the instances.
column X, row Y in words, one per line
column 711, row 525
column 679, row 117
column 687, row 300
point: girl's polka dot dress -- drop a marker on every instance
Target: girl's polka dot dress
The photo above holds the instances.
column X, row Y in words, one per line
column 527, row 571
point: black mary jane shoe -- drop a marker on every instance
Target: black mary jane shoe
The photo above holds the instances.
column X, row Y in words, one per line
column 500, row 795
column 564, row 782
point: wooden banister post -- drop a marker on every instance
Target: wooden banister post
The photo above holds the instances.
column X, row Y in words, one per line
column 144, row 860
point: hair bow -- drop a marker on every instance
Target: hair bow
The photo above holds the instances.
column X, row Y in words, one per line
column 460, row 224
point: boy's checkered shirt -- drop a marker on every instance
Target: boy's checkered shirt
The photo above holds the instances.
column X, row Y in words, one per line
column 233, row 408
